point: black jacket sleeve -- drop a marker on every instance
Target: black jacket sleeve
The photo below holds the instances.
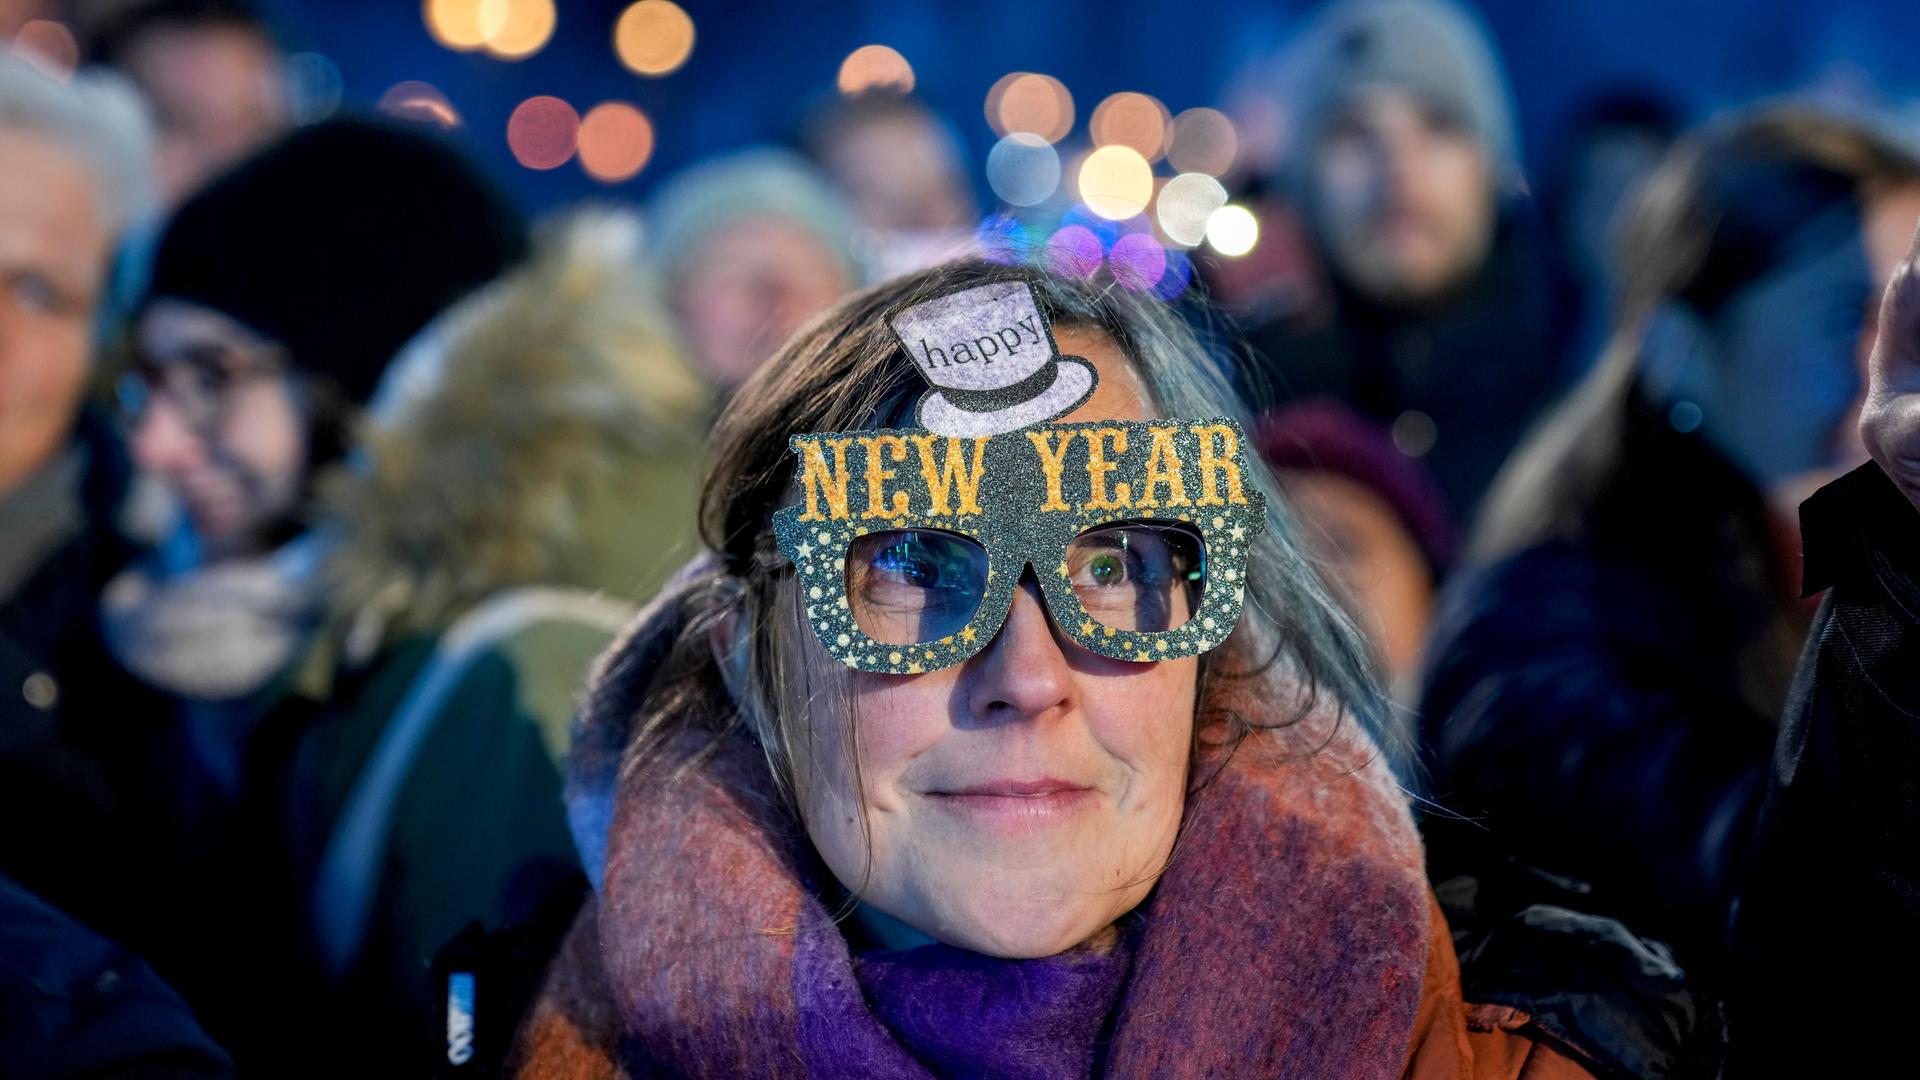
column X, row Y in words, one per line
column 1826, row 930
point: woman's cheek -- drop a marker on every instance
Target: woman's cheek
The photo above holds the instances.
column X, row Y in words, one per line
column 897, row 718
column 1146, row 722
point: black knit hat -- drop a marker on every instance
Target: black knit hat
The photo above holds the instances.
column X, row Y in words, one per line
column 341, row 242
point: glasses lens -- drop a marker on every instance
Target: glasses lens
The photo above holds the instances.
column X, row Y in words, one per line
column 1137, row 575
column 910, row 586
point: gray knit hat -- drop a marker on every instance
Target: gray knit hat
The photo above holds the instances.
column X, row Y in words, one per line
column 756, row 182
column 1434, row 48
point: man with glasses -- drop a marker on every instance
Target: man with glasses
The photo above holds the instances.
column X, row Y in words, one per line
column 76, row 785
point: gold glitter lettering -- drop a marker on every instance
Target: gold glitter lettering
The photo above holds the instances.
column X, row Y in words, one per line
column 1053, row 459
column 954, row 477
column 1098, row 467
column 817, row 477
column 1212, row 463
column 878, row 475
column 1163, row 468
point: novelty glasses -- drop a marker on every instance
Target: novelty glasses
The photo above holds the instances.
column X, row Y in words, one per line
column 909, row 545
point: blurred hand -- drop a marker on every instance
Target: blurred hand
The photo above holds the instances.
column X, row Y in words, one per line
column 1890, row 421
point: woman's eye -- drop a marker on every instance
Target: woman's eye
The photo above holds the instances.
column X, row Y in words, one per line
column 1107, row 569
column 907, row 563
column 38, row 294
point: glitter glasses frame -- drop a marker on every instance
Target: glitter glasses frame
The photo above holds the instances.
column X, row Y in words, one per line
column 1015, row 538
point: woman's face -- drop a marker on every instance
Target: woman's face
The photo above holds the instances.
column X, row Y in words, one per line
column 219, row 424
column 753, row 285
column 1021, row 801
column 1790, row 377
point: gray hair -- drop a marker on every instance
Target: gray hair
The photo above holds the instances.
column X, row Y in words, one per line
column 97, row 117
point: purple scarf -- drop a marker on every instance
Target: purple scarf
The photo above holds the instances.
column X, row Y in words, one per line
column 1289, row 936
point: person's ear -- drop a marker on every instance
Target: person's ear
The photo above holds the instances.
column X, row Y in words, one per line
column 1678, row 356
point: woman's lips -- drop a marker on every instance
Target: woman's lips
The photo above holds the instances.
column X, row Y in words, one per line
column 1016, row 804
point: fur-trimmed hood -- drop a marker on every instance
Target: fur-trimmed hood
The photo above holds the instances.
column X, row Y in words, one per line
column 544, row 431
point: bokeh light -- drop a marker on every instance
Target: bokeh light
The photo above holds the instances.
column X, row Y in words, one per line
column 1115, row 182
column 1233, row 230
column 314, row 86
column 1204, row 141
column 653, row 37
column 616, row 140
column 875, row 67
column 543, row 132
column 48, row 46
column 1004, row 238
column 464, row 25
column 1177, row 276
column 1023, row 169
column 1185, row 204
column 1025, row 101
column 1138, row 261
column 1132, row 120
column 1074, row 251
column 420, row 102
column 525, row 30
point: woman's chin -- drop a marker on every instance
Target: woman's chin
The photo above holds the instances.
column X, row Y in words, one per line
column 1026, row 931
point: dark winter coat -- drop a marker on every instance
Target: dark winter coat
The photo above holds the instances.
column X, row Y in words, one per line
column 79, row 740
column 1603, row 704
column 1830, row 909
column 1477, row 364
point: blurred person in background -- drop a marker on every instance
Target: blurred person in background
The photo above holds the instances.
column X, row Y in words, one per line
column 903, row 172
column 1374, row 518
column 1439, row 320
column 1613, row 145
column 749, row 247
column 212, row 71
column 74, row 735
column 1604, row 688
column 531, row 469
column 1831, row 895
column 280, row 293
column 79, row 783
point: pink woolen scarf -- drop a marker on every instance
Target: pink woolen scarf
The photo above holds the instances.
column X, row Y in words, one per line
column 1289, row 936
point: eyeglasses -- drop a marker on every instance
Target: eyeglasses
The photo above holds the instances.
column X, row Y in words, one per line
column 199, row 383
column 1136, row 531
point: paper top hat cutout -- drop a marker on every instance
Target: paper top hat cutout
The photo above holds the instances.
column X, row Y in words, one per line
column 990, row 358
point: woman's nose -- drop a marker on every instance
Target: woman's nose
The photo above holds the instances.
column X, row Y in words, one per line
column 1023, row 672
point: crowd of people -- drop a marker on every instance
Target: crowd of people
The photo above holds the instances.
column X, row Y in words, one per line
column 401, row 670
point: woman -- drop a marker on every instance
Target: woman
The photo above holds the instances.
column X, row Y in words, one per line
column 1023, row 855
column 748, row 247
column 1374, row 516
column 1604, row 688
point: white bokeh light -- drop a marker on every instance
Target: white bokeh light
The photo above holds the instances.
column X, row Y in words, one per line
column 1186, row 203
column 1233, row 230
column 1023, row 169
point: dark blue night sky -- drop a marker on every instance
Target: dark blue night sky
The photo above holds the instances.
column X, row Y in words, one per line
column 758, row 65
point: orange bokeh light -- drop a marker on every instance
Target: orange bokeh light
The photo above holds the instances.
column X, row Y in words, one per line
column 463, row 25
column 49, row 46
column 616, row 140
column 653, row 37
column 1025, row 101
column 543, row 132
column 527, row 26
column 1132, row 120
column 875, row 67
